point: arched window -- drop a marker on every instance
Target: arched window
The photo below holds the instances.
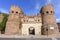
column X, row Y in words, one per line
column 42, row 13
column 27, row 20
column 12, row 11
column 24, row 20
column 38, row 20
column 16, row 12
column 51, row 11
column 47, row 12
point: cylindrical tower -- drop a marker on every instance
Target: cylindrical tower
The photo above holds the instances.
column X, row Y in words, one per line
column 14, row 13
column 13, row 23
column 49, row 26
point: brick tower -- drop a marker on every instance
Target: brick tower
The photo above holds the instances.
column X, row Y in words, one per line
column 12, row 26
column 48, row 20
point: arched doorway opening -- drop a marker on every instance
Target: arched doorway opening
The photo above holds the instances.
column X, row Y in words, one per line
column 31, row 31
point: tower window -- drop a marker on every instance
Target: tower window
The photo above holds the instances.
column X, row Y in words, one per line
column 12, row 11
column 51, row 11
column 38, row 20
column 27, row 20
column 24, row 20
column 47, row 12
column 42, row 13
column 16, row 12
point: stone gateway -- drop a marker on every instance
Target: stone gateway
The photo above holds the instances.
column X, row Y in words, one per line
column 41, row 24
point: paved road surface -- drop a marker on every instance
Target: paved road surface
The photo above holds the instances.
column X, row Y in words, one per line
column 28, row 38
column 25, row 39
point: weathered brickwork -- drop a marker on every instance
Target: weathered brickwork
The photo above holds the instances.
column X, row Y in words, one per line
column 12, row 26
column 49, row 20
column 20, row 24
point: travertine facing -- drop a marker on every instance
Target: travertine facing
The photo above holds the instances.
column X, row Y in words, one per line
column 36, row 26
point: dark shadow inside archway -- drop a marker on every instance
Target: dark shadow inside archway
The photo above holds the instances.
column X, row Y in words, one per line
column 31, row 31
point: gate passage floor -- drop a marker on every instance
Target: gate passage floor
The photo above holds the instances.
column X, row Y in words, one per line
column 15, row 37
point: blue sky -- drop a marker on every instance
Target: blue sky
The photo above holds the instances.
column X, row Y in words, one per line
column 30, row 6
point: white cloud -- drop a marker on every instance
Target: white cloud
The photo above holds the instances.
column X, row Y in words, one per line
column 58, row 20
column 3, row 10
column 37, row 6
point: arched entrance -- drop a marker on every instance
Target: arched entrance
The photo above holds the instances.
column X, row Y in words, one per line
column 32, row 31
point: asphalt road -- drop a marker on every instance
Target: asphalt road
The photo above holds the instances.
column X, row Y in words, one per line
column 25, row 39
column 29, row 38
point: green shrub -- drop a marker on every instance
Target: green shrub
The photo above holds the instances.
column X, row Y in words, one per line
column 3, row 23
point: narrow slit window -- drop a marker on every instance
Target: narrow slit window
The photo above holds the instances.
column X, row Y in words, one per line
column 47, row 12
column 17, row 12
column 12, row 11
